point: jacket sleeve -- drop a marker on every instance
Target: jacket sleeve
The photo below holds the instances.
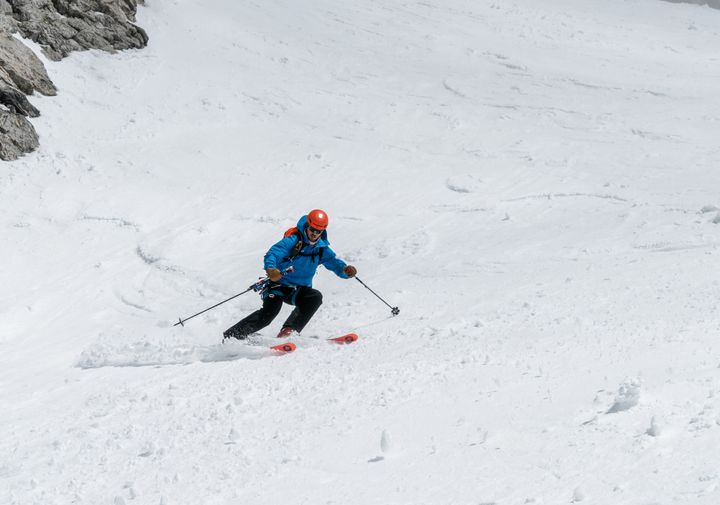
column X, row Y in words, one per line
column 281, row 250
column 333, row 263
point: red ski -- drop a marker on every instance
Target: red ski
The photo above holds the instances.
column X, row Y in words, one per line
column 284, row 348
column 345, row 339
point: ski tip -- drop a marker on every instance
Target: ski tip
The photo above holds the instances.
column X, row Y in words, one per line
column 345, row 339
column 284, row 348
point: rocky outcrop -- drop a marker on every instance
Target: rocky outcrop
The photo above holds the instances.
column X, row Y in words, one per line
column 20, row 67
column 21, row 73
column 59, row 27
column 64, row 26
column 17, row 136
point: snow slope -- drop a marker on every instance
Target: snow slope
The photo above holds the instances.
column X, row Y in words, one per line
column 534, row 184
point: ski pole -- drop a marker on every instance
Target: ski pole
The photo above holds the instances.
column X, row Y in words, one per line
column 395, row 311
column 258, row 286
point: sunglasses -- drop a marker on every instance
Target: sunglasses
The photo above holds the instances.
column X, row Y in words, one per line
column 314, row 231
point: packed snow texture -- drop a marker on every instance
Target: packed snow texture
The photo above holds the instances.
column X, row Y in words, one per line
column 534, row 184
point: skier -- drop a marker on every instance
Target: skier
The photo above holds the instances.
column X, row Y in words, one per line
column 304, row 248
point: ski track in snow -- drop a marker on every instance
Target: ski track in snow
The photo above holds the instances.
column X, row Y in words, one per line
column 534, row 184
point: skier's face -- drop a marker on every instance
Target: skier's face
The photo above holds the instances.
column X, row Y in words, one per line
column 312, row 233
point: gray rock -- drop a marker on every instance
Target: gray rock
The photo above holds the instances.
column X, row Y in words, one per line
column 8, row 24
column 21, row 68
column 64, row 26
column 59, row 27
column 17, row 102
column 17, row 136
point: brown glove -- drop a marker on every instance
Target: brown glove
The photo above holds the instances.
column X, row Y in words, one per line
column 350, row 271
column 273, row 274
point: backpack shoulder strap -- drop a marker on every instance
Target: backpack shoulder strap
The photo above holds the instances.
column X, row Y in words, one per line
column 295, row 251
column 298, row 245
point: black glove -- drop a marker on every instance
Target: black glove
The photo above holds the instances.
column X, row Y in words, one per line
column 273, row 274
column 350, row 271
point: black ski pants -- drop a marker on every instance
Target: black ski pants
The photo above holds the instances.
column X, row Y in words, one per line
column 306, row 300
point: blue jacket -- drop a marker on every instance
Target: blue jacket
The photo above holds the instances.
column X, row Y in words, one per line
column 305, row 263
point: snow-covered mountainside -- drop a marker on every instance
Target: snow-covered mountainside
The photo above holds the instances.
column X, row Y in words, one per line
column 534, row 184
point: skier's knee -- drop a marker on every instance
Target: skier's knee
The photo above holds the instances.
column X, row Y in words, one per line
column 316, row 298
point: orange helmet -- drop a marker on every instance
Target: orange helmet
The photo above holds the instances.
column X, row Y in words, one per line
column 317, row 219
